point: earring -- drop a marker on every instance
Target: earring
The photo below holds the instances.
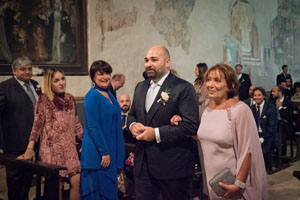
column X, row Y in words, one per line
column 93, row 84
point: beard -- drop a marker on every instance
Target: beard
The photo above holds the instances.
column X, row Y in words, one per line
column 125, row 109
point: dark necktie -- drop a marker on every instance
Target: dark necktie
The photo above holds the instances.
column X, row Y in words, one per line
column 258, row 110
column 30, row 93
column 124, row 119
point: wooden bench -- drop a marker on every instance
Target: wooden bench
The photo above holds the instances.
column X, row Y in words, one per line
column 51, row 172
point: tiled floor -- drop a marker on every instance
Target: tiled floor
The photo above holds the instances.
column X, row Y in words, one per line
column 282, row 184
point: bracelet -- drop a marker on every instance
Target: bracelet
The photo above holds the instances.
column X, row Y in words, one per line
column 240, row 184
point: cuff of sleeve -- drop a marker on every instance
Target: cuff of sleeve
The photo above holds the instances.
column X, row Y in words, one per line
column 157, row 135
column 280, row 108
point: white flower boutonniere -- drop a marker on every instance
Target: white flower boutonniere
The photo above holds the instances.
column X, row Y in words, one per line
column 164, row 97
column 243, row 80
column 38, row 88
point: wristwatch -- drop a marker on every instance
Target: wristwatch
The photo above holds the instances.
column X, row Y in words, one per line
column 240, row 184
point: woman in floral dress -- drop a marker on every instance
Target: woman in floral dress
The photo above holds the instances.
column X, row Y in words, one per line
column 57, row 126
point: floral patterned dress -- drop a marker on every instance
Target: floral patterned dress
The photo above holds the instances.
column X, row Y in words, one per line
column 57, row 125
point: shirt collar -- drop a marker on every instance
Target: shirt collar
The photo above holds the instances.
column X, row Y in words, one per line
column 262, row 104
column 239, row 76
column 281, row 100
column 21, row 82
column 125, row 113
column 161, row 81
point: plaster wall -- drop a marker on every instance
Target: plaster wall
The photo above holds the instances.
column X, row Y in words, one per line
column 208, row 23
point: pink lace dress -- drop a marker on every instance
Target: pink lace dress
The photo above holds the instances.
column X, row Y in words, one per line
column 57, row 126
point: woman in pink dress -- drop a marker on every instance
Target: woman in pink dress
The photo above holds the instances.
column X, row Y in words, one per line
column 57, row 126
column 229, row 138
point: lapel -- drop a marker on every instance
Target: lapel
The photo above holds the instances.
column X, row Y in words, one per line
column 264, row 110
column 168, row 84
column 253, row 107
column 143, row 94
column 19, row 90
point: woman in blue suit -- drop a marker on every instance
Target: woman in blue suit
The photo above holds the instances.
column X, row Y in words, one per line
column 103, row 143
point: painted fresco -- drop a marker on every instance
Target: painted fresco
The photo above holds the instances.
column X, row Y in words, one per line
column 110, row 18
column 170, row 20
column 286, row 36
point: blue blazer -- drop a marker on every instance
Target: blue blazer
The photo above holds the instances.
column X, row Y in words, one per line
column 103, row 133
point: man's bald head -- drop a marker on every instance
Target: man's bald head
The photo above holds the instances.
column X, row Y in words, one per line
column 125, row 102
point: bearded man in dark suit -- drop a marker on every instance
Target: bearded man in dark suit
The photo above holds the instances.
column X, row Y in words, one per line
column 17, row 100
column 285, row 110
column 164, row 158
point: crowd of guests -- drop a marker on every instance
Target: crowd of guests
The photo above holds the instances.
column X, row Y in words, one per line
column 168, row 121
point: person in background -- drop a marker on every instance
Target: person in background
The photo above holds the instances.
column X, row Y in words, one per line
column 296, row 96
column 199, row 85
column 18, row 96
column 265, row 115
column 285, row 118
column 244, row 81
column 117, row 81
column 250, row 100
column 174, row 72
column 125, row 104
column 57, row 125
column 289, row 90
column 103, row 143
column 234, row 142
column 283, row 75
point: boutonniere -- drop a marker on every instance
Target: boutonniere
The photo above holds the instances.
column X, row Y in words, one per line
column 243, row 80
column 164, row 97
column 264, row 116
column 38, row 88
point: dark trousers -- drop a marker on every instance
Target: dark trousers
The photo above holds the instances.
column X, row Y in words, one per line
column 149, row 188
column 18, row 181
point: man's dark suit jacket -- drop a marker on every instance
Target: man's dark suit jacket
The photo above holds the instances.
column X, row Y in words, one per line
column 245, row 84
column 16, row 115
column 286, row 115
column 111, row 89
column 281, row 77
column 173, row 157
column 268, row 124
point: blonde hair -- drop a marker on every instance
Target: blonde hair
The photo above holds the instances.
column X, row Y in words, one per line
column 48, row 77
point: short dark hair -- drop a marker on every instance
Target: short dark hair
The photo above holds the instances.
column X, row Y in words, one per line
column 229, row 76
column 297, row 84
column 281, row 80
column 238, row 65
column 283, row 66
column 263, row 91
column 100, row 66
column 202, row 68
column 280, row 89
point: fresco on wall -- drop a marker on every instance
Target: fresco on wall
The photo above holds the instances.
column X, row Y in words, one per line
column 109, row 18
column 286, row 36
column 243, row 27
column 170, row 20
column 231, row 51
